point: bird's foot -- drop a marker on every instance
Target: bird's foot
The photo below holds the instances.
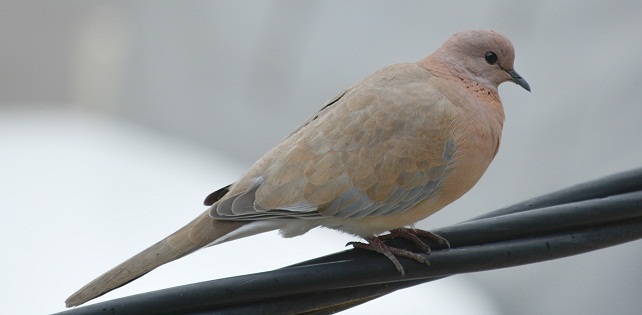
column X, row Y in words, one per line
column 376, row 244
column 413, row 235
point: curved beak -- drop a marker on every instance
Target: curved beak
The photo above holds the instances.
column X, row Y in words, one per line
column 515, row 77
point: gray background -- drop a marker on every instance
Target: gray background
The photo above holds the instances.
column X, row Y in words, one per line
column 117, row 118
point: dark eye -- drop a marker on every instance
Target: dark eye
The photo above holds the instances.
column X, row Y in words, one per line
column 491, row 57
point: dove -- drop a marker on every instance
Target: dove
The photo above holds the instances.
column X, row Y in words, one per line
column 387, row 152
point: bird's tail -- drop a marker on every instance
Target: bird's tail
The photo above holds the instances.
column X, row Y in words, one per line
column 199, row 233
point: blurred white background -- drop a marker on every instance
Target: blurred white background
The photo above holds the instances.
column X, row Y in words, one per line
column 118, row 118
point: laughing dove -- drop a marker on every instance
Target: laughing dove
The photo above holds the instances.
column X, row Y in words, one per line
column 389, row 151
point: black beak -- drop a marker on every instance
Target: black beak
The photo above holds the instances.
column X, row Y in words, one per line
column 515, row 77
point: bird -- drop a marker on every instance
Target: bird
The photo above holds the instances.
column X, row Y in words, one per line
column 387, row 152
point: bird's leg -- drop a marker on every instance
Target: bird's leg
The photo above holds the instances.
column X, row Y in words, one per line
column 413, row 235
column 377, row 245
column 431, row 236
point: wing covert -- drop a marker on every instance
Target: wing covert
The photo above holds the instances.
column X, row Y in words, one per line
column 373, row 151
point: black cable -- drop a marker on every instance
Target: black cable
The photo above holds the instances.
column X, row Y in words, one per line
column 575, row 220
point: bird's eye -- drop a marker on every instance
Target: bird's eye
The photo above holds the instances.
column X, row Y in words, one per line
column 491, row 57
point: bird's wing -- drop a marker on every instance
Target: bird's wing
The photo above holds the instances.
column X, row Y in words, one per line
column 378, row 149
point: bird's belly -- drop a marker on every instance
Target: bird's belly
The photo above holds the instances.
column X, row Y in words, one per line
column 469, row 164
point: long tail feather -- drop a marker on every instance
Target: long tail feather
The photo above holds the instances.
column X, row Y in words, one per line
column 199, row 233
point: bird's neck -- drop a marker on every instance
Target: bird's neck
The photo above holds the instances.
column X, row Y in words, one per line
column 456, row 74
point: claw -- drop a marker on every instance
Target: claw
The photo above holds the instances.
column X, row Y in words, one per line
column 376, row 244
column 414, row 234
